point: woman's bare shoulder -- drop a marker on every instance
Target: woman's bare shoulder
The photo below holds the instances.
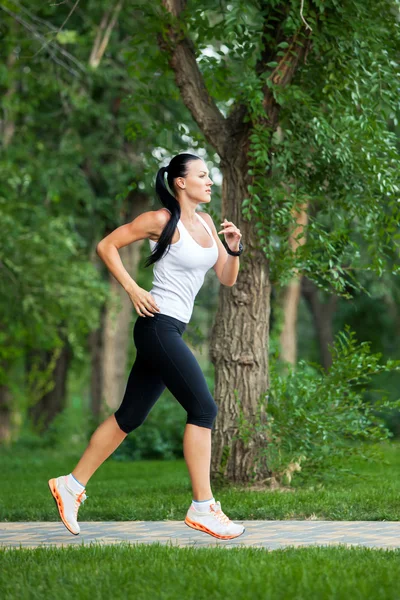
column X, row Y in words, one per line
column 160, row 218
column 163, row 215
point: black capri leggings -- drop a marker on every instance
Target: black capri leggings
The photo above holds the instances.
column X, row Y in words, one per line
column 164, row 360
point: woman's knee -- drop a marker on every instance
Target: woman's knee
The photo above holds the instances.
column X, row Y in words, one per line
column 206, row 417
column 127, row 423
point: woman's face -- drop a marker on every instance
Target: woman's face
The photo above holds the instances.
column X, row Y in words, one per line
column 197, row 183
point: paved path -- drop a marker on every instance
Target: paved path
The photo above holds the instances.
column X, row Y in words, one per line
column 261, row 534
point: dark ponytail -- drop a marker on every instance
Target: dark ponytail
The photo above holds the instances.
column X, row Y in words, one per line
column 176, row 168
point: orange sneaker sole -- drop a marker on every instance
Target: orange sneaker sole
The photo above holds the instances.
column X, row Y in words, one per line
column 200, row 527
column 59, row 503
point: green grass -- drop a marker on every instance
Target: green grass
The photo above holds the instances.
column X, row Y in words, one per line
column 157, row 572
column 158, row 490
column 355, row 489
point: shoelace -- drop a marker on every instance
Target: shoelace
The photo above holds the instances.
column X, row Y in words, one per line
column 80, row 499
column 221, row 516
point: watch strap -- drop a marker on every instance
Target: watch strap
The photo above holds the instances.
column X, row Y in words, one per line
column 231, row 252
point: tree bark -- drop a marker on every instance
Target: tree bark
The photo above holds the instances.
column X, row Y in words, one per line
column 7, row 132
column 322, row 313
column 239, row 348
column 8, row 124
column 292, row 292
column 43, row 412
column 5, row 415
column 95, row 343
column 290, row 298
column 239, row 339
column 104, row 31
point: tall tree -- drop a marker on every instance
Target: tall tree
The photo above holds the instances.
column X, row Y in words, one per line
column 69, row 177
column 242, row 68
column 241, row 327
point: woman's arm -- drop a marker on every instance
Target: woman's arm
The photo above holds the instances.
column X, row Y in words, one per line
column 145, row 225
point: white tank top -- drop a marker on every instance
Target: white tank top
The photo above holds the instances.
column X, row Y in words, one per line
column 179, row 275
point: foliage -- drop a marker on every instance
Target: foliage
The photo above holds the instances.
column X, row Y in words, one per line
column 55, row 291
column 311, row 414
column 65, row 175
column 335, row 148
column 160, row 436
column 57, row 184
column 67, row 433
column 85, row 136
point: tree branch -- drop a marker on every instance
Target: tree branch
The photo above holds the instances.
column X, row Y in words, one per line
column 190, row 81
column 295, row 54
column 52, row 46
column 58, row 30
column 103, row 37
column 8, row 124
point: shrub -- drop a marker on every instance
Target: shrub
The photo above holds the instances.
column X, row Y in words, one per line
column 309, row 414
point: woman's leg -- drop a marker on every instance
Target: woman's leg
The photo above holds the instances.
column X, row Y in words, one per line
column 197, row 452
column 182, row 375
column 107, row 437
column 143, row 389
column 103, row 442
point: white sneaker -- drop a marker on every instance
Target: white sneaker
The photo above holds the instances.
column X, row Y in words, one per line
column 68, row 502
column 214, row 522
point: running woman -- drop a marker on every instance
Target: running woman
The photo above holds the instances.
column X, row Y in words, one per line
column 184, row 247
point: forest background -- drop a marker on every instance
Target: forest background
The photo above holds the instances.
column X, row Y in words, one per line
column 92, row 106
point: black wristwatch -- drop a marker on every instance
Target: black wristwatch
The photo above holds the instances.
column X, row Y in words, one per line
column 238, row 253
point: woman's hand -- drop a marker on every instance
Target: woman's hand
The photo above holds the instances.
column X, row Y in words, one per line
column 143, row 302
column 232, row 235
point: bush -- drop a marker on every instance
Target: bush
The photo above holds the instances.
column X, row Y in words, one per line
column 67, row 432
column 160, row 436
column 308, row 414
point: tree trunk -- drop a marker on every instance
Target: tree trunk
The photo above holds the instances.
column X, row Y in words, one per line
column 239, row 339
column 322, row 313
column 292, row 292
column 7, row 124
column 103, row 34
column 5, row 415
column 290, row 298
column 95, row 343
column 43, row 412
column 238, row 348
